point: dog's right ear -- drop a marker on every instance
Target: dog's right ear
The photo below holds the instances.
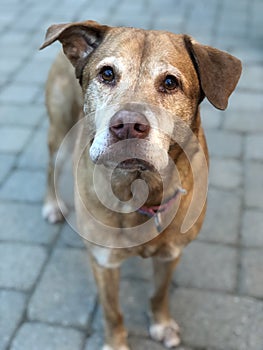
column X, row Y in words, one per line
column 79, row 39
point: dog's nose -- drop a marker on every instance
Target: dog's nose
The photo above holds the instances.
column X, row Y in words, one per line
column 129, row 125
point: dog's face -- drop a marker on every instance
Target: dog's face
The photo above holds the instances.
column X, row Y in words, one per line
column 142, row 88
column 140, row 85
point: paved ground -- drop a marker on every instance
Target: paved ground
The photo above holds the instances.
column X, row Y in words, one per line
column 48, row 299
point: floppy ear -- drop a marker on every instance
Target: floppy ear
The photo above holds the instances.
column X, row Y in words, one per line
column 79, row 39
column 218, row 71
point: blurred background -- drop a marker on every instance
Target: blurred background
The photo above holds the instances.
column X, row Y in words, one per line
column 48, row 299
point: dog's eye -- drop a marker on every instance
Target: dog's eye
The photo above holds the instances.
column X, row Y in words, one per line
column 107, row 74
column 170, row 83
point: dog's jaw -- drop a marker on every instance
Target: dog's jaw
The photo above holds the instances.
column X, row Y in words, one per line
column 131, row 154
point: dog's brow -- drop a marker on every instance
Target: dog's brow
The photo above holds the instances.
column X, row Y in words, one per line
column 111, row 60
column 164, row 67
column 175, row 71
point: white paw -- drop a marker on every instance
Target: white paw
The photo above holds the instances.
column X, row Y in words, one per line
column 167, row 332
column 122, row 347
column 54, row 212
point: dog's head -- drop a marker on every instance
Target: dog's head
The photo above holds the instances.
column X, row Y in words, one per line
column 142, row 87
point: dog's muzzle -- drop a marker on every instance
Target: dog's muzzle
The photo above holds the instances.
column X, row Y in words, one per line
column 127, row 144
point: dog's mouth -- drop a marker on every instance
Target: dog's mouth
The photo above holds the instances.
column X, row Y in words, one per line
column 130, row 155
column 136, row 164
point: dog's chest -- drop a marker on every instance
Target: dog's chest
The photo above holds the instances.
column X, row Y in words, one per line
column 166, row 251
column 112, row 258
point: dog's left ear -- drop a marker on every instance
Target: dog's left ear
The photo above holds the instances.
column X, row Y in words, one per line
column 79, row 40
column 218, row 71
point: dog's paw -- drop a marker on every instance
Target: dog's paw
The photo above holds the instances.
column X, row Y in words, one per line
column 167, row 332
column 122, row 347
column 54, row 212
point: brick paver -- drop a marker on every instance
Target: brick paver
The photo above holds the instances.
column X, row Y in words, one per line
column 21, row 265
column 38, row 336
column 48, row 299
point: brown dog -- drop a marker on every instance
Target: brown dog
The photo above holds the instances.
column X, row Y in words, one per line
column 140, row 92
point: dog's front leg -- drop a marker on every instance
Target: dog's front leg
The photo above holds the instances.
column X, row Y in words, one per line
column 163, row 328
column 53, row 209
column 107, row 280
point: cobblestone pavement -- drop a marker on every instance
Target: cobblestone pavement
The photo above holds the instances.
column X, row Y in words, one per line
column 48, row 300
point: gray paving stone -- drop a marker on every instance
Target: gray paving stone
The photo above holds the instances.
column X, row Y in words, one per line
column 252, row 77
column 231, row 6
column 235, row 28
column 224, row 144
column 123, row 18
column 219, row 321
column 136, row 313
column 12, row 139
column 172, row 23
column 230, row 43
column 40, row 97
column 19, row 93
column 50, row 52
column 205, row 265
column 254, row 147
column 24, row 185
column 252, row 273
column 11, row 50
column 29, row 115
column 99, row 16
column 21, row 265
column 39, row 58
column 5, row 78
column 233, row 13
column 35, row 154
column 211, row 118
column 253, row 184
column 248, row 102
column 36, row 70
column 6, row 18
column 3, row 81
column 66, row 292
column 166, row 4
column 137, row 268
column 256, row 26
column 6, row 163
column 132, row 7
column 14, row 37
column 97, row 6
column 10, row 64
column 96, row 341
column 225, row 173
column 23, row 223
column 243, row 121
column 37, row 336
column 204, row 30
column 134, row 14
column 138, row 343
column 250, row 54
column 70, row 238
column 252, row 228
column 29, row 26
column 12, row 306
column 222, row 220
